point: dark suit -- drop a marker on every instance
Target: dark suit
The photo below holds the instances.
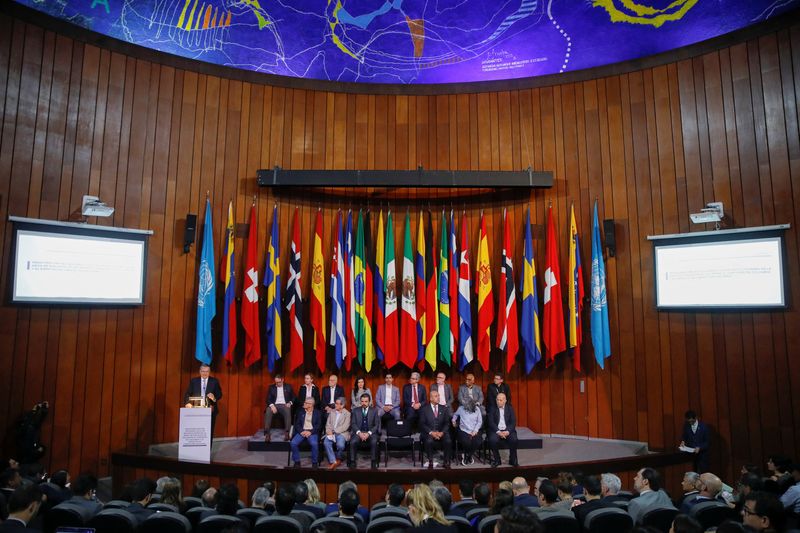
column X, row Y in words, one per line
column 327, row 401
column 313, row 439
column 428, row 422
column 699, row 439
column 526, row 500
column 582, row 511
column 409, row 413
column 448, row 394
column 492, row 422
column 316, row 510
column 491, row 395
column 139, row 512
column 357, row 425
column 285, row 409
column 15, row 526
column 301, row 395
column 212, row 387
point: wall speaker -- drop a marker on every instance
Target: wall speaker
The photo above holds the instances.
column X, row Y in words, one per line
column 608, row 232
column 189, row 232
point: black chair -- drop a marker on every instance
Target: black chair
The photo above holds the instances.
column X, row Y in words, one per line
column 155, row 497
column 277, row 524
column 660, row 518
column 462, row 505
column 306, row 518
column 335, row 514
column 621, row 505
column 712, row 513
column 216, row 523
column 399, row 436
column 386, row 523
column 478, row 510
column 379, row 505
column 197, row 514
column 461, row 523
column 607, row 520
column 65, row 515
column 163, row 507
column 114, row 521
column 166, row 522
column 116, row 504
column 192, row 501
column 399, row 512
column 628, row 495
column 328, row 521
column 251, row 514
column 486, row 525
column 560, row 522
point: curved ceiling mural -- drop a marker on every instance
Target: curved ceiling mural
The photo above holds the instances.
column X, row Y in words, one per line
column 413, row 41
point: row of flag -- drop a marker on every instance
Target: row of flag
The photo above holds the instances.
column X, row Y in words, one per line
column 421, row 318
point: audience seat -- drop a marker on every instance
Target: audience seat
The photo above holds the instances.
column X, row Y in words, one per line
column 163, row 507
column 560, row 522
column 277, row 524
column 337, row 524
column 379, row 505
column 607, row 520
column 192, row 501
column 461, row 523
column 486, row 525
column 116, row 504
column 478, row 510
column 216, row 523
column 626, row 494
column 196, row 514
column 712, row 513
column 166, row 522
column 400, row 512
column 251, row 514
column 114, row 521
column 306, row 518
column 660, row 518
column 388, row 523
column 65, row 515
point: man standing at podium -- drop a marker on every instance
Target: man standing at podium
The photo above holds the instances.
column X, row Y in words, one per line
column 208, row 388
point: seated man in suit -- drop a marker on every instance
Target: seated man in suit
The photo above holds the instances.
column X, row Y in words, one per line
column 337, row 431
column 209, row 389
column 348, row 507
column 280, row 398
column 501, row 424
column 468, row 389
column 522, row 493
column 592, row 491
column 434, row 427
column 387, row 400
column 329, row 394
column 444, row 389
column 84, row 488
column 413, row 398
column 141, row 493
column 610, row 485
column 709, row 485
column 696, row 436
column 365, row 428
column 648, row 484
column 307, row 426
column 498, row 386
column 23, row 505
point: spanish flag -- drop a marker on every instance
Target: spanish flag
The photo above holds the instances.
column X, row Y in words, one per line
column 485, row 297
column 318, row 318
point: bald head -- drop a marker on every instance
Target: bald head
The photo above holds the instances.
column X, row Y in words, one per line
column 519, row 485
column 710, row 485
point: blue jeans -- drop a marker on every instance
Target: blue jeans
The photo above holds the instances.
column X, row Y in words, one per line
column 328, row 444
column 313, row 441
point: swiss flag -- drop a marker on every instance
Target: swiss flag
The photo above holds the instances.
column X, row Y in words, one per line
column 554, row 339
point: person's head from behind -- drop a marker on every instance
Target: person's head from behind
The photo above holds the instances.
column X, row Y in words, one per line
column 210, row 497
column 502, row 499
column 142, row 490
column 228, row 499
column 200, row 487
column 260, row 497
column 592, row 488
column 519, row 486
column 750, row 482
column 171, row 492
column 518, row 519
column 647, row 479
column 24, row 502
column 284, row 499
column 300, row 493
column 482, row 493
column 548, row 492
column 763, row 511
column 689, row 481
column 710, row 485
column 685, row 524
column 313, row 491
column 84, row 486
column 61, row 478
column 564, row 490
column 466, row 487
column 443, row 498
column 422, row 505
column 348, row 503
column 344, row 485
column 610, row 484
column 395, row 494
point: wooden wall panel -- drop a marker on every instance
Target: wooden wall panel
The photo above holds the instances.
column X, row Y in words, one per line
column 650, row 146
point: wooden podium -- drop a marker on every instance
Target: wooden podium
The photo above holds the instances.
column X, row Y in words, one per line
column 194, row 434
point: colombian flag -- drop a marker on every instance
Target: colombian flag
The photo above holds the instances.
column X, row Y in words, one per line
column 229, row 279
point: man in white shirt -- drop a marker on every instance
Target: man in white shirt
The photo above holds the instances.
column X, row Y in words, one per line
column 280, row 398
column 387, row 399
column 501, row 424
column 444, row 389
column 648, row 484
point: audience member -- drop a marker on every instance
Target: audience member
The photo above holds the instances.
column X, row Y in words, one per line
column 505, row 485
column 171, row 494
column 395, row 495
column 610, row 485
column 518, row 519
column 468, row 390
column 434, row 428
column 387, row 399
column 348, row 506
column 210, row 498
column 791, row 498
column 360, row 388
column 365, row 428
column 260, row 497
column 284, row 499
column 689, row 487
column 425, row 513
column 200, row 487
column 502, row 499
column 280, row 398
column 548, row 498
column 466, row 490
column 709, row 487
column 414, row 398
column 337, row 432
column 483, row 493
column 314, row 497
column 648, row 484
column 57, row 491
column 592, row 489
column 84, row 488
column 763, row 511
column 160, row 484
column 141, row 493
column 468, row 420
column 307, row 427
column 301, row 502
column 334, row 507
column 685, row 524
column 443, row 498
column 23, row 505
column 444, row 389
column 228, row 499
column 565, row 500
column 502, row 426
column 697, row 437
column 522, row 495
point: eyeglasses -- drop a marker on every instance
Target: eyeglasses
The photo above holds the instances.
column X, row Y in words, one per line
column 748, row 512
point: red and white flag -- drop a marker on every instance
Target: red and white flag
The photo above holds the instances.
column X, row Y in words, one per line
column 250, row 324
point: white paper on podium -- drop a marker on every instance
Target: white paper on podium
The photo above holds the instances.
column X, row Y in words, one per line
column 194, row 435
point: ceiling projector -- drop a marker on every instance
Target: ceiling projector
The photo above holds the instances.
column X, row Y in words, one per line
column 93, row 207
column 711, row 213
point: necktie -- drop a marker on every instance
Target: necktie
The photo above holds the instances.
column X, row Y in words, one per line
column 435, row 411
column 364, row 412
column 414, row 394
column 203, row 391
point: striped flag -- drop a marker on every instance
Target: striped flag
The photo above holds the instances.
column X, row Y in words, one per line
column 529, row 327
column 409, row 336
column 272, row 281
column 294, row 301
column 483, row 275
column 252, row 339
column 507, row 328
column 390, row 300
column 601, row 336
column 445, row 335
column 553, row 308
column 349, row 295
column 431, row 296
column 419, row 264
column 227, row 273
column 206, row 293
column 453, row 290
column 338, row 334
column 318, row 318
column 361, row 291
column 465, row 353
column 575, row 292
column 379, row 295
